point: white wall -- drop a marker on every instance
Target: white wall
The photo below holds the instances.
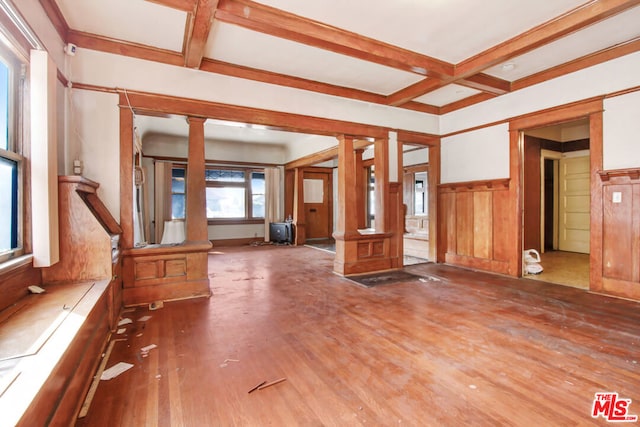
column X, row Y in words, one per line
column 104, row 69
column 618, row 74
column 309, row 144
column 462, row 160
column 621, row 131
column 95, row 130
column 476, row 155
column 415, row 157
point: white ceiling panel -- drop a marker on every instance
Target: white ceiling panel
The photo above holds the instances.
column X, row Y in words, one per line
column 446, row 95
column 619, row 28
column 136, row 21
column 450, row 30
column 230, row 43
column 216, row 130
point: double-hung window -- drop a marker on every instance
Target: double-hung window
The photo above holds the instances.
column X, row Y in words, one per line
column 235, row 194
column 11, row 160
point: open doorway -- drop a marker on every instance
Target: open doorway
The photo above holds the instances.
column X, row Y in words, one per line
column 415, row 190
column 556, row 203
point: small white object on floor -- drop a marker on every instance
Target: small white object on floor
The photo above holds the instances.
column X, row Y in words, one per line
column 148, row 348
column 35, row 289
column 125, row 321
column 115, row 370
column 144, row 318
column 121, row 331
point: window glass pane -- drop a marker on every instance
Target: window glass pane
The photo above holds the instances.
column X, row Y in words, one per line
column 257, row 201
column 257, row 194
column 8, row 204
column 224, row 175
column 177, row 180
column 225, row 202
column 177, row 206
column 4, row 106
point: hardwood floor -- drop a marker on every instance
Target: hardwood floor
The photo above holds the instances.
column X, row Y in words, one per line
column 455, row 348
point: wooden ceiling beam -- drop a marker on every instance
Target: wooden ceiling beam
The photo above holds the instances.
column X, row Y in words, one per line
column 590, row 60
column 275, row 22
column 121, row 47
column 142, row 102
column 415, row 90
column 483, row 82
column 471, row 100
column 572, row 21
column 486, row 83
column 198, row 33
column 183, row 5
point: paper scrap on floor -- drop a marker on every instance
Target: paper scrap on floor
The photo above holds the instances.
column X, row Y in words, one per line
column 115, row 370
column 144, row 318
column 125, row 321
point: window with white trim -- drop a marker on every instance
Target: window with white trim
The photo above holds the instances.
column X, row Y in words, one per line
column 235, row 194
column 11, row 160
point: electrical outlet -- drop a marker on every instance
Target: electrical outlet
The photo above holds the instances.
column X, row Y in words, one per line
column 617, row 197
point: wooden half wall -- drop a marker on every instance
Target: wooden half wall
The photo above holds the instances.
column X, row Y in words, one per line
column 620, row 233
column 474, row 225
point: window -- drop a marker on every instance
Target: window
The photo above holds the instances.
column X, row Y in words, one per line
column 421, row 206
column 178, row 192
column 11, row 181
column 235, row 194
column 371, row 197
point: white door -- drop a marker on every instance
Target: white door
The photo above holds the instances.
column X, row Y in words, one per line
column 575, row 202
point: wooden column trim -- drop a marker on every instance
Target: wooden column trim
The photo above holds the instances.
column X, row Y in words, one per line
column 436, row 249
column 126, row 174
column 299, row 217
column 361, row 189
column 347, row 224
column 381, row 164
column 196, row 204
column 597, row 215
column 515, row 185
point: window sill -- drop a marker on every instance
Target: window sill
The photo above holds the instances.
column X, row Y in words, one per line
column 16, row 262
column 238, row 221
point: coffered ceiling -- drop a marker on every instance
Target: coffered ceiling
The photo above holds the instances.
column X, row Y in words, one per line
column 433, row 56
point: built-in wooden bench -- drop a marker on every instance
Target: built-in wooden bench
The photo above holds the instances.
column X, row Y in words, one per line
column 50, row 345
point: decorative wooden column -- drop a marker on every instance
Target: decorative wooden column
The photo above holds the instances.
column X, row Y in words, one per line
column 367, row 251
column 362, row 186
column 299, row 218
column 173, row 272
column 196, row 203
column 126, row 174
column 381, row 165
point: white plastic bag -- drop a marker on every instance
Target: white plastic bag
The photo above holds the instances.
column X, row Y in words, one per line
column 531, row 259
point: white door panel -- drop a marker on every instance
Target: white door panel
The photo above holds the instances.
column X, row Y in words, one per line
column 575, row 203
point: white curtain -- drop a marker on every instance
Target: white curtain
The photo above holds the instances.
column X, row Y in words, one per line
column 273, row 199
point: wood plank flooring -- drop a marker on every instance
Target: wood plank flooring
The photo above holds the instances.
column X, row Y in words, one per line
column 455, row 348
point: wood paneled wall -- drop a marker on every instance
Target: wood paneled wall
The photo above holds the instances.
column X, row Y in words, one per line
column 474, row 224
column 620, row 233
column 15, row 283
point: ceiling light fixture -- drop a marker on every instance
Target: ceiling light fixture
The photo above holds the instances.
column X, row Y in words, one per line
column 509, row 66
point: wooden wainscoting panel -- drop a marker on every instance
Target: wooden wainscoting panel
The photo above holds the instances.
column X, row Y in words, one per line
column 617, row 233
column 464, row 223
column 448, row 223
column 502, row 220
column 483, row 224
column 475, row 222
column 146, row 270
column 175, row 268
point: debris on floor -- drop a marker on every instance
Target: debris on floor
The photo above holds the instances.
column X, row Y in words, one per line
column 115, row 370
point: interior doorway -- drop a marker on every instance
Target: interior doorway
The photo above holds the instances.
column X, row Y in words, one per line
column 556, row 203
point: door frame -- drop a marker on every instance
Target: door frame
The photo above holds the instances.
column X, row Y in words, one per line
column 593, row 109
column 328, row 194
